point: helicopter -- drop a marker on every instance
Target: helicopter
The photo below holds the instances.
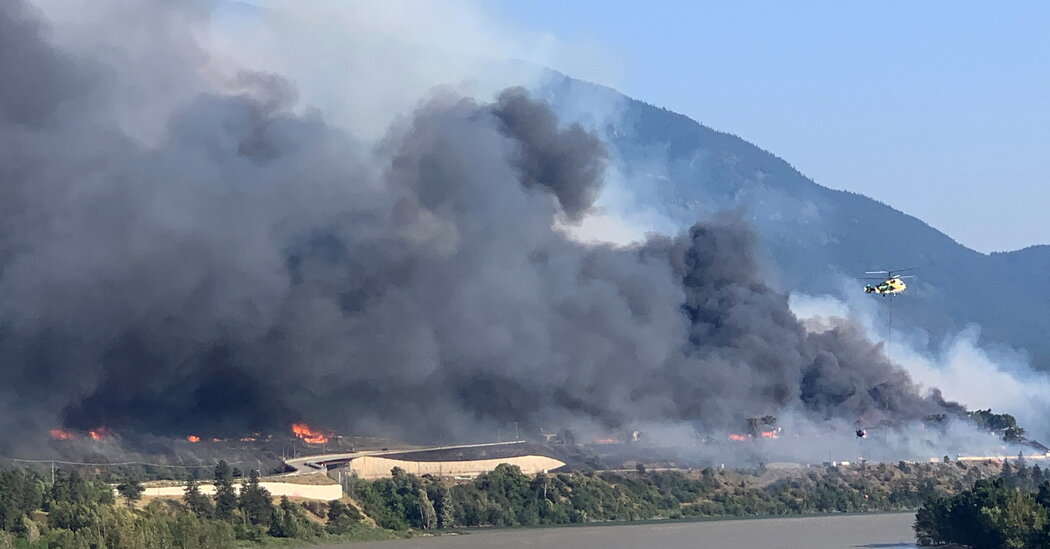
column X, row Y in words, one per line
column 892, row 284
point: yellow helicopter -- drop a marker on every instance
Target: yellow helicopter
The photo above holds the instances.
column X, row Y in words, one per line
column 892, row 284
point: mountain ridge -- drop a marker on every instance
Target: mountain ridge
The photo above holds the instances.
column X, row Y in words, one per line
column 812, row 234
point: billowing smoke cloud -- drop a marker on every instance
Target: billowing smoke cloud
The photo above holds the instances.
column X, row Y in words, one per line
column 255, row 265
column 983, row 378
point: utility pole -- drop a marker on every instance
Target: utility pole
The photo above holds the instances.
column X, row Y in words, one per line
column 52, row 472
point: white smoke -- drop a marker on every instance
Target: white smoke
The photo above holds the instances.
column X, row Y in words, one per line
column 366, row 63
column 958, row 365
column 617, row 217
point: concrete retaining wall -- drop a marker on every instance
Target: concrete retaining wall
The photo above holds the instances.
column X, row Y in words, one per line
column 323, row 492
column 371, row 467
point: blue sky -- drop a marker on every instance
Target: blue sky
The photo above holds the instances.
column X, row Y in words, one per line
column 940, row 109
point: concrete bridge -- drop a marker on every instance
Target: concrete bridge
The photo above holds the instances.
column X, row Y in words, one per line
column 370, row 464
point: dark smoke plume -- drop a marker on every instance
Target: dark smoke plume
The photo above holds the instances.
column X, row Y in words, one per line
column 257, row 266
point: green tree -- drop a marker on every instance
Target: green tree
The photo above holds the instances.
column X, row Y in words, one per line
column 73, row 488
column 73, row 516
column 446, row 508
column 255, row 501
column 990, row 515
column 21, row 493
column 1042, row 497
column 1013, row 434
column 1018, row 521
column 341, row 517
column 285, row 521
column 188, row 531
column 225, row 495
column 131, row 490
column 30, row 530
column 195, row 501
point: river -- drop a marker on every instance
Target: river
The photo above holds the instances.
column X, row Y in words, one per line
column 882, row 531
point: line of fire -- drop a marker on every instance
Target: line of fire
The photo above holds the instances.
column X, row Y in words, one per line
column 758, row 438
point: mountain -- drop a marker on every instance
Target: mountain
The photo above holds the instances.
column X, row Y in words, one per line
column 815, row 237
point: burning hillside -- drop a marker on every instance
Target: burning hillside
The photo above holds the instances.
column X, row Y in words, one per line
column 300, row 431
column 308, row 434
column 60, row 434
column 98, row 433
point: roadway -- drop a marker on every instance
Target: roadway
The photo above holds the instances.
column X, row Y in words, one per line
column 322, row 462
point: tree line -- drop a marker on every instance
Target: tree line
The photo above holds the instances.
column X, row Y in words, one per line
column 77, row 512
column 1008, row 512
column 506, row 497
column 73, row 512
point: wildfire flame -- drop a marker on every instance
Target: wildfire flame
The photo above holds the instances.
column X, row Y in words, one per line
column 61, row 434
column 99, row 433
column 309, row 434
column 193, row 438
column 775, row 433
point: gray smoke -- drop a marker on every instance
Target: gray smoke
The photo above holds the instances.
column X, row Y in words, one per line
column 258, row 266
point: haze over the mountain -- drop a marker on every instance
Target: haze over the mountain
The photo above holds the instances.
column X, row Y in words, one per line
column 817, row 238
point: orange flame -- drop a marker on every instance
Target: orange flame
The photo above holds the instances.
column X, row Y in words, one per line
column 247, row 439
column 309, row 434
column 61, row 434
column 193, row 438
column 738, row 437
column 770, row 434
column 99, row 433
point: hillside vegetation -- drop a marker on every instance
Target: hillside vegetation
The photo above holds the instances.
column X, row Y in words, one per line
column 506, row 497
column 75, row 512
column 1009, row 512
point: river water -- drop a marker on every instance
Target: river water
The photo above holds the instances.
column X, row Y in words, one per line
column 882, row 531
